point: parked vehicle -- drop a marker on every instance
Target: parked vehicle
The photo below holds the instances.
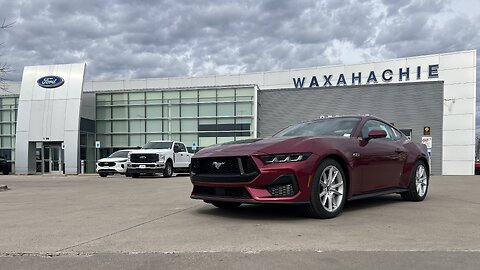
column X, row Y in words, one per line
column 320, row 164
column 115, row 163
column 4, row 166
column 165, row 157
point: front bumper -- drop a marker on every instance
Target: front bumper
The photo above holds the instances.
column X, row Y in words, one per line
column 145, row 167
column 274, row 183
column 117, row 168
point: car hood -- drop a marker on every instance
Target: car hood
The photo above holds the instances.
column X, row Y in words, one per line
column 149, row 151
column 274, row 145
column 111, row 159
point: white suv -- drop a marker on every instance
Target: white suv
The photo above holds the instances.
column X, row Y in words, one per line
column 115, row 163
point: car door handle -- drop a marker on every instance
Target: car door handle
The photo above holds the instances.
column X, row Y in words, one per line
column 399, row 151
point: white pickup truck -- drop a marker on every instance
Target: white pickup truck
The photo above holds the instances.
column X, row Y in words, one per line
column 164, row 157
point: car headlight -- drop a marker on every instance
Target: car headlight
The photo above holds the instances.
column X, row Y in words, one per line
column 161, row 157
column 282, row 158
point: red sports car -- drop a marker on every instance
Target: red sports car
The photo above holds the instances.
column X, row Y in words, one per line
column 320, row 164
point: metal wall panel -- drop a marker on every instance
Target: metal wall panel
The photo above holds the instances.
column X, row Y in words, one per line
column 407, row 106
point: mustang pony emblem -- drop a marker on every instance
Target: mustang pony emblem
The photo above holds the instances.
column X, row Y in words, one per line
column 217, row 164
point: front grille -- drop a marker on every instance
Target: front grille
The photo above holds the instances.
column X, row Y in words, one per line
column 146, row 165
column 143, row 158
column 223, row 169
column 223, row 166
column 106, row 164
column 230, row 192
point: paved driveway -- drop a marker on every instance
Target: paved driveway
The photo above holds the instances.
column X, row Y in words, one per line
column 71, row 216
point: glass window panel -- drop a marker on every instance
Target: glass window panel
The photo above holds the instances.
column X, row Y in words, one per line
column 104, row 99
column 207, row 121
column 154, row 126
column 137, row 140
column 120, row 126
column 119, row 112
column 189, row 94
column 137, row 126
column 104, row 127
column 226, row 120
column 6, row 142
column 174, row 110
column 171, row 95
column 224, row 139
column 6, row 116
column 244, row 109
column 244, row 120
column 105, row 140
column 153, row 97
column 189, row 110
column 104, row 113
column 245, row 92
column 6, row 129
column 206, row 141
column 189, row 139
column 189, row 125
column 207, row 93
column 8, row 101
column 175, row 125
column 137, row 112
column 175, row 137
column 136, row 98
column 226, row 109
column 207, row 109
column 119, row 98
column 154, row 111
column 120, row 140
column 226, row 93
column 154, row 137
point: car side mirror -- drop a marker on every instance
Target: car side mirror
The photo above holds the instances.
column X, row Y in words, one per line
column 376, row 134
column 176, row 149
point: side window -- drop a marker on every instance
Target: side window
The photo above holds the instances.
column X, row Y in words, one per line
column 176, row 148
column 377, row 125
column 182, row 148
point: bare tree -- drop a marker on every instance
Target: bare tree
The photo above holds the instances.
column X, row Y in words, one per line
column 4, row 68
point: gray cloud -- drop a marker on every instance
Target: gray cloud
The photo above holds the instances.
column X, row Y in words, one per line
column 125, row 39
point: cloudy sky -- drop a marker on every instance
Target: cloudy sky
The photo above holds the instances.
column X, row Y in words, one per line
column 163, row 38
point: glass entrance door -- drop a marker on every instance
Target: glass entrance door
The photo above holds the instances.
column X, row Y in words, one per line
column 53, row 160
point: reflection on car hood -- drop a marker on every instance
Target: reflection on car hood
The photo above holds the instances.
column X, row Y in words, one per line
column 149, row 151
column 263, row 146
column 111, row 159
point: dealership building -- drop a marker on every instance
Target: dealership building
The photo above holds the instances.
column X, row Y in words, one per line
column 54, row 121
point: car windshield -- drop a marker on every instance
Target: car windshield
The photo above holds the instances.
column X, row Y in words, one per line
column 342, row 126
column 157, row 145
column 119, row 154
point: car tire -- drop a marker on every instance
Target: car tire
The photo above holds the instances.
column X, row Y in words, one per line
column 168, row 171
column 135, row 175
column 226, row 205
column 329, row 191
column 6, row 172
column 103, row 174
column 418, row 187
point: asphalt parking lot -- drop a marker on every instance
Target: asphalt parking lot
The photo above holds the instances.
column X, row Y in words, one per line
column 88, row 222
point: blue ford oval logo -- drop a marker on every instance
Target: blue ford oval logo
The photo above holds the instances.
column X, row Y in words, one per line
column 50, row 81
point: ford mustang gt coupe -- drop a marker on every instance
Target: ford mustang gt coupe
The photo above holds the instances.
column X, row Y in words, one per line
column 319, row 164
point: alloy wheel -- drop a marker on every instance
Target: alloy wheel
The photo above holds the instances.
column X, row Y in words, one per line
column 421, row 180
column 332, row 188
